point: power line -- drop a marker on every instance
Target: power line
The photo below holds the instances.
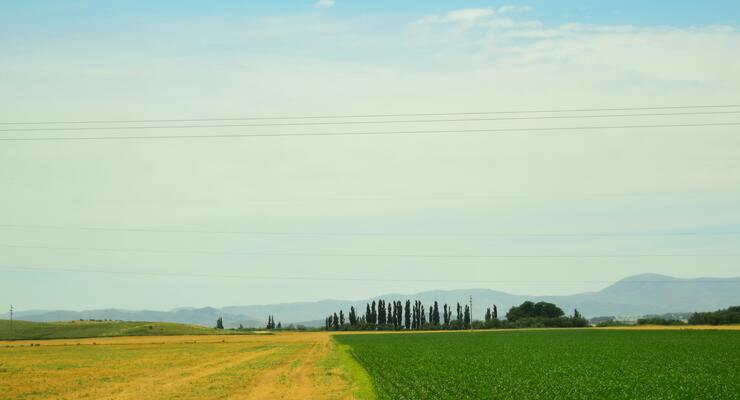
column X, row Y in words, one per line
column 417, row 121
column 363, row 255
column 368, row 234
column 391, row 198
column 420, row 132
column 121, row 121
column 346, row 279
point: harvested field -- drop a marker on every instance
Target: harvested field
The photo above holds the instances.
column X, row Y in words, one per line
column 180, row 367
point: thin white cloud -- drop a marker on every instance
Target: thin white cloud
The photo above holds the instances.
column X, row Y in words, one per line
column 474, row 15
column 325, row 3
column 512, row 9
column 486, row 18
column 468, row 14
column 465, row 15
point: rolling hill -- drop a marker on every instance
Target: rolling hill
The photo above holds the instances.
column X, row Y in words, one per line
column 635, row 295
column 85, row 329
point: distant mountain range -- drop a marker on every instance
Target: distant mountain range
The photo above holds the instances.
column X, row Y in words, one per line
column 636, row 295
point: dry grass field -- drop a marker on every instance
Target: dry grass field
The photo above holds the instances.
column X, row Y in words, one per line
column 300, row 365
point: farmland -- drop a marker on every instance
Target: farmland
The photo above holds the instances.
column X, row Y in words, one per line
column 585, row 364
column 255, row 366
column 643, row 362
column 85, row 329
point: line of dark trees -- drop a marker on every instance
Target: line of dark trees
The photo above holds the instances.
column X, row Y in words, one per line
column 659, row 321
column 271, row 323
column 727, row 316
column 395, row 315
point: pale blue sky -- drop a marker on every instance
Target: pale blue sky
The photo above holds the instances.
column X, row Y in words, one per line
column 141, row 60
column 632, row 12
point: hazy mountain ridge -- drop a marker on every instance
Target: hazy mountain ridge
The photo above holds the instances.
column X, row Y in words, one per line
column 198, row 316
column 635, row 295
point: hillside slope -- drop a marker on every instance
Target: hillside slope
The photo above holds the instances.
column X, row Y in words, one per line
column 86, row 329
column 635, row 295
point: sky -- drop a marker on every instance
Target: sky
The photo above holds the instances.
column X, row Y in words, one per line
column 349, row 206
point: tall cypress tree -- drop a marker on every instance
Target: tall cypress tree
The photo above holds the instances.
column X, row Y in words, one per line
column 368, row 313
column 495, row 312
column 398, row 309
column 422, row 319
column 414, row 315
column 381, row 312
column 335, row 321
column 341, row 317
column 417, row 314
column 389, row 318
column 459, row 314
column 407, row 320
column 467, row 316
column 399, row 315
column 373, row 313
column 393, row 314
column 488, row 314
column 436, row 313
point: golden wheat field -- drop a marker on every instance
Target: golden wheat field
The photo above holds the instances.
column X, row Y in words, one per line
column 300, row 365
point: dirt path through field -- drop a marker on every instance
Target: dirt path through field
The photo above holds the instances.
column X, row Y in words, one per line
column 292, row 378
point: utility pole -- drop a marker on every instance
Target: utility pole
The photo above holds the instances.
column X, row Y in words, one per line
column 11, row 322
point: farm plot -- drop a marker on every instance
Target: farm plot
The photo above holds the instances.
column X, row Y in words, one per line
column 564, row 364
column 178, row 367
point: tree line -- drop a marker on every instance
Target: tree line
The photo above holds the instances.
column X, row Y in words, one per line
column 397, row 315
column 726, row 316
column 270, row 324
column 394, row 315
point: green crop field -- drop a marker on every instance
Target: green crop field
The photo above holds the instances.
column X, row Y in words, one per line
column 87, row 329
column 566, row 364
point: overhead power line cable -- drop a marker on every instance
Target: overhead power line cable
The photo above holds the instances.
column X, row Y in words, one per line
column 407, row 121
column 428, row 114
column 363, row 255
column 368, row 234
column 381, row 133
column 384, row 198
column 348, row 279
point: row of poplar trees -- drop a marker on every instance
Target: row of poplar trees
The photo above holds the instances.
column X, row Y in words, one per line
column 394, row 315
column 271, row 323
